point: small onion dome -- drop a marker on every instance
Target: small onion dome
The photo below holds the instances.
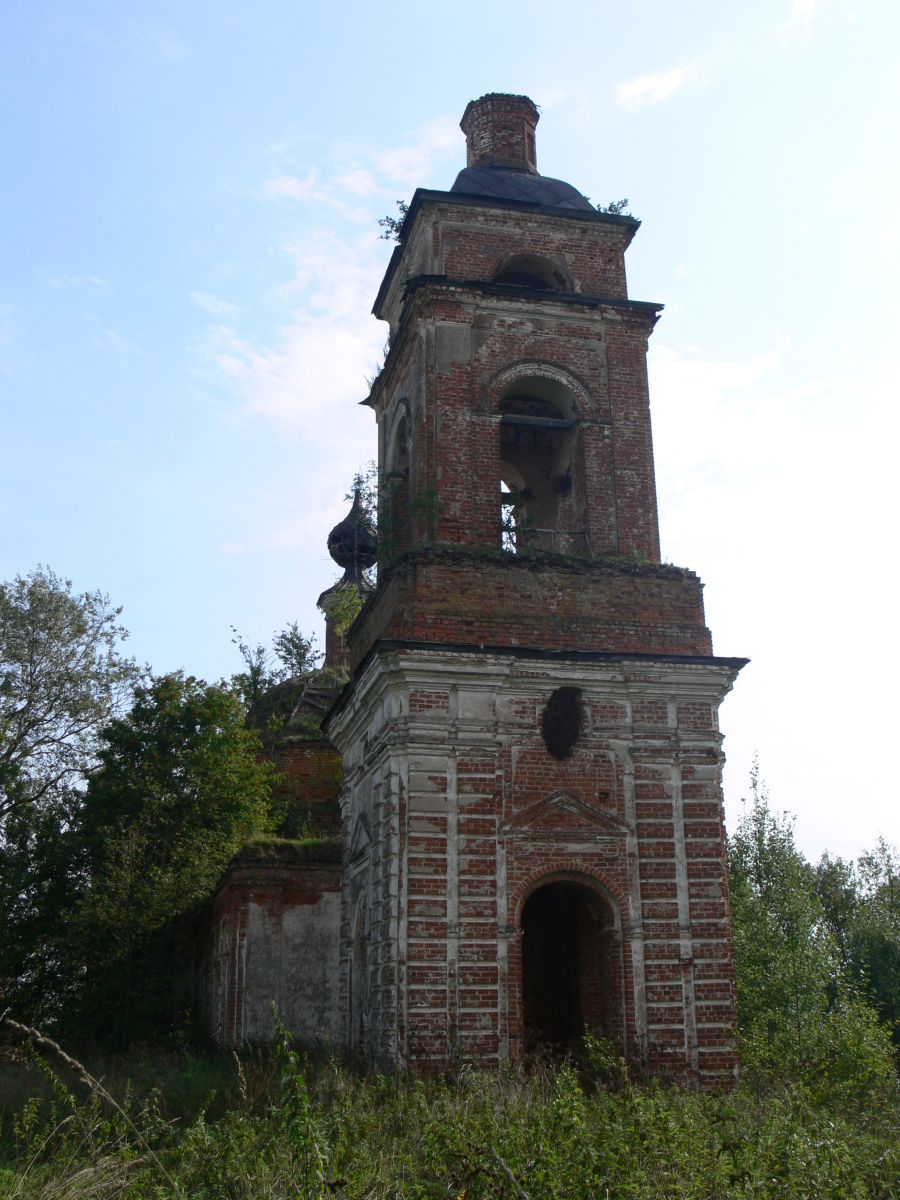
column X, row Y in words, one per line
column 352, row 542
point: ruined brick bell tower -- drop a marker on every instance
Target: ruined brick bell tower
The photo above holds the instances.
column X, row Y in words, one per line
column 532, row 802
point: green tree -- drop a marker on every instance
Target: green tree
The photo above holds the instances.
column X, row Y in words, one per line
column 62, row 678
column 801, row 1017
column 179, row 788
column 291, row 654
column 40, row 873
column 861, row 904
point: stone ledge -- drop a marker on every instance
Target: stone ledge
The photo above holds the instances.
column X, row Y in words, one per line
column 298, row 851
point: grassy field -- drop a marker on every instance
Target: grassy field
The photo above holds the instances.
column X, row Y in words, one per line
column 272, row 1125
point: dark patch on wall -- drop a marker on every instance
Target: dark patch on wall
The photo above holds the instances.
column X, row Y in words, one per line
column 561, row 723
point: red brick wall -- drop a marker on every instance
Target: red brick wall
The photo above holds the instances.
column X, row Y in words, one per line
column 446, row 596
column 468, row 814
column 462, row 352
column 476, row 242
column 472, row 815
column 310, row 784
column 469, row 241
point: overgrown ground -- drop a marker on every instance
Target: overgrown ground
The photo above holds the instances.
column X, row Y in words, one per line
column 274, row 1125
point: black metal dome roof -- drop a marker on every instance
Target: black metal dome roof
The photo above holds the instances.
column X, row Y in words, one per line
column 501, row 183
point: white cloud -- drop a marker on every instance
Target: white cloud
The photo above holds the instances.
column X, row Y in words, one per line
column 306, row 376
column 655, row 87
column 775, row 492
column 580, row 103
column 407, row 166
column 63, row 25
column 796, row 29
column 214, row 305
column 120, row 32
column 357, row 180
column 110, row 340
column 314, row 370
column 289, row 187
column 358, row 170
column 62, row 282
column 317, row 363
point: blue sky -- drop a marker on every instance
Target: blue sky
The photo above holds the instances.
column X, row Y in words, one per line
column 190, row 254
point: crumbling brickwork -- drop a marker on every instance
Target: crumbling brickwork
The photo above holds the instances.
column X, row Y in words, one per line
column 504, row 888
column 469, row 345
column 273, row 941
column 273, row 931
column 452, row 595
column 458, row 814
column 531, row 836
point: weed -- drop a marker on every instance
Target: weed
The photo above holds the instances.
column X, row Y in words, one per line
column 285, row 1125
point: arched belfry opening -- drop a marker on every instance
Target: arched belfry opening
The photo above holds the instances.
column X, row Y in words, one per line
column 541, row 497
column 394, row 517
column 534, row 271
column 569, row 968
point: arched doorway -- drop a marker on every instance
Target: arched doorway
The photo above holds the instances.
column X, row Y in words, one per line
column 568, row 975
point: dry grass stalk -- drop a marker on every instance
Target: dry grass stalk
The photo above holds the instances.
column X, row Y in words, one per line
column 42, row 1042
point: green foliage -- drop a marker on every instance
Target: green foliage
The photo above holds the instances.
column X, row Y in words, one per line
column 379, row 366
column 283, row 1126
column 41, row 873
column 800, row 1015
column 616, row 208
column 365, row 491
column 180, row 788
column 292, row 654
column 62, row 677
column 603, row 1063
column 343, row 606
column 427, row 505
column 861, row 904
column 392, row 227
column 296, row 653
column 297, row 1120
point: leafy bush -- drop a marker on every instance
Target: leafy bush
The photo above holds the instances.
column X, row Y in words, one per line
column 803, row 1016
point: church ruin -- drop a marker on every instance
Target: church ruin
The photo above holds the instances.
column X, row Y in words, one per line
column 518, row 792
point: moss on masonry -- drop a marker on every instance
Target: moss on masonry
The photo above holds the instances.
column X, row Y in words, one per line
column 270, row 848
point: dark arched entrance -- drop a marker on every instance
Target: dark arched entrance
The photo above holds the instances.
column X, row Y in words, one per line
column 566, row 974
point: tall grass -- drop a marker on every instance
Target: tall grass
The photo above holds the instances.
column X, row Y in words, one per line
column 275, row 1125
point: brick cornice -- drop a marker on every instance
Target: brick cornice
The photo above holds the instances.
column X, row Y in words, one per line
column 514, row 291
column 424, row 198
